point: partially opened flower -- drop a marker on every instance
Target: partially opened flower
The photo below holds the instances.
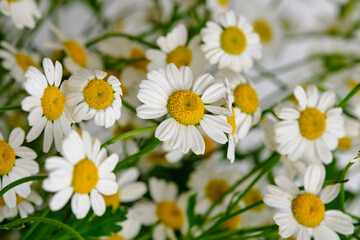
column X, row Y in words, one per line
column 186, row 104
column 22, row 12
column 83, row 174
column 46, row 104
column 16, row 162
column 231, row 43
column 306, row 210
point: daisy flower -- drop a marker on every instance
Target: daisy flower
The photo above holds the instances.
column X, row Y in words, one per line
column 17, row 61
column 93, row 96
column 306, row 210
column 22, row 12
column 231, row 43
column 186, row 102
column 168, row 211
column 174, row 49
column 129, row 189
column 218, row 6
column 84, row 173
column 311, row 130
column 46, row 104
column 78, row 57
column 16, row 162
column 24, row 206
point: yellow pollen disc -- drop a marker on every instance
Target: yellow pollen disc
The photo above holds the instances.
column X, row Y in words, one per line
column 112, row 200
column 344, row 143
column 215, row 189
column 115, row 237
column 25, row 61
column 170, row 214
column 231, row 121
column 312, row 123
column 233, row 40
column 308, row 209
column 264, row 30
column 156, row 157
column 12, row 0
column 180, row 56
column 234, row 222
column 137, row 53
column 76, row 52
column 7, row 158
column 253, row 196
column 98, row 94
column 120, row 129
column 85, row 176
column 185, row 107
column 209, row 146
column 53, row 103
column 246, row 98
column 223, row 2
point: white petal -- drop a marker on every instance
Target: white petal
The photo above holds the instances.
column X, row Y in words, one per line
column 109, row 164
column 107, row 187
column 329, row 193
column 97, row 203
column 214, row 93
column 327, row 100
column 132, row 191
column 36, row 130
column 314, row 178
column 59, row 200
column 339, row 222
column 16, row 137
column 300, row 95
column 322, row 232
column 80, row 205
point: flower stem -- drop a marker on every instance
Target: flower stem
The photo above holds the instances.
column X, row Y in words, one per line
column 342, row 189
column 35, row 225
column 21, row 221
column 128, row 134
column 349, row 96
column 21, row 181
column 10, row 108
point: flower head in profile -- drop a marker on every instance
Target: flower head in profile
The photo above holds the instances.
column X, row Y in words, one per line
column 16, row 162
column 187, row 104
column 306, row 210
column 231, row 43
column 312, row 129
column 46, row 104
column 84, row 173
column 22, row 12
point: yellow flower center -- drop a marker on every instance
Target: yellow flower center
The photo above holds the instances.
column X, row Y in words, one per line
column 98, row 94
column 25, row 61
column 264, row 30
column 7, row 158
column 180, row 56
column 223, row 2
column 137, row 53
column 185, row 107
column 246, row 98
column 234, row 222
column 170, row 214
column 115, row 237
column 53, row 103
column 253, row 196
column 312, row 123
column 112, row 200
column 233, row 40
column 85, row 176
column 231, row 121
column 215, row 189
column 308, row 209
column 344, row 143
column 18, row 200
column 76, row 52
column 156, row 157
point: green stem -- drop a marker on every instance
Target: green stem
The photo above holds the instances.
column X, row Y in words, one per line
column 17, row 222
column 130, row 37
column 349, row 96
column 342, row 189
column 128, row 134
column 21, row 181
column 34, row 226
column 10, row 108
column 128, row 160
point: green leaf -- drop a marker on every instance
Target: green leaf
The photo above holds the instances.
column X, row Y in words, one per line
column 191, row 210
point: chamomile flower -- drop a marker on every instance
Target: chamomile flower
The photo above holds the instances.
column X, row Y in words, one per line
column 24, row 206
column 306, row 210
column 129, row 189
column 311, row 130
column 168, row 211
column 231, row 43
column 174, row 92
column 78, row 57
column 174, row 49
column 218, row 6
column 16, row 162
column 22, row 12
column 46, row 104
column 83, row 174
column 93, row 96
column 17, row 61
